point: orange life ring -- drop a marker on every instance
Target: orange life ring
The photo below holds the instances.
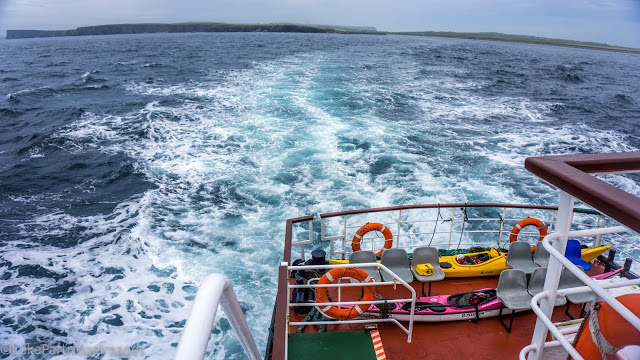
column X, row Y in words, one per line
column 526, row 222
column 336, row 312
column 388, row 238
column 610, row 329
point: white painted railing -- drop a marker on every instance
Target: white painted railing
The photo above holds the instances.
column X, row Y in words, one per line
column 544, row 310
column 386, row 272
column 494, row 234
column 445, row 226
column 215, row 289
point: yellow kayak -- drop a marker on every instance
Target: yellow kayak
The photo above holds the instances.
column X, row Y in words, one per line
column 496, row 263
column 494, row 266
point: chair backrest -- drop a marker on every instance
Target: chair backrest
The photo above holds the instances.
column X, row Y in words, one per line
column 362, row 257
column 395, row 257
column 569, row 280
column 512, row 281
column 425, row 254
column 574, row 254
column 536, row 283
column 541, row 256
column 519, row 250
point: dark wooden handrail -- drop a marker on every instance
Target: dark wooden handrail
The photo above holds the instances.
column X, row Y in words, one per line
column 572, row 174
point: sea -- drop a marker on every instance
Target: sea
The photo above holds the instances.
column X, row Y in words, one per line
column 132, row 166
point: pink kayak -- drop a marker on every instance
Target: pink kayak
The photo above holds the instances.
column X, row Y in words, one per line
column 471, row 305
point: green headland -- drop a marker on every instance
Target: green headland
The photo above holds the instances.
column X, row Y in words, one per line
column 520, row 38
column 297, row 28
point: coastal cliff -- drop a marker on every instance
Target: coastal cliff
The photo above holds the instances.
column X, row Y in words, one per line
column 182, row 27
column 295, row 28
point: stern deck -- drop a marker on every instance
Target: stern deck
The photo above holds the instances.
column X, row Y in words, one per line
column 482, row 339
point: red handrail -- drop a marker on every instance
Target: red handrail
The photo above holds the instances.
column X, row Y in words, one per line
column 572, row 174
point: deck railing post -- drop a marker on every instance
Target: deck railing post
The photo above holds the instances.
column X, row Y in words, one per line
column 602, row 221
column 453, row 215
column 504, row 216
column 563, row 225
column 399, row 223
column 215, row 289
column 344, row 239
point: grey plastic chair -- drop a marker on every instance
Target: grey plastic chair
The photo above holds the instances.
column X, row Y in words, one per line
column 360, row 257
column 512, row 293
column 536, row 285
column 569, row 280
column 423, row 255
column 541, row 256
column 519, row 257
column 397, row 261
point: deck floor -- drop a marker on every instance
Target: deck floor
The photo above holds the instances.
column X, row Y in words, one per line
column 484, row 339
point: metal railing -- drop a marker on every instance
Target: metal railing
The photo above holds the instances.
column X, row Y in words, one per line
column 572, row 175
column 215, row 289
column 456, row 229
column 408, row 330
column 591, row 285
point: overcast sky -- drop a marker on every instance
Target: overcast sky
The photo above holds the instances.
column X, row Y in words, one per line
column 614, row 22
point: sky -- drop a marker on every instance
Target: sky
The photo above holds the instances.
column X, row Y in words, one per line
column 615, row 22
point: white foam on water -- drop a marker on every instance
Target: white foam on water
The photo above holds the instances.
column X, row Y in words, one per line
column 116, row 294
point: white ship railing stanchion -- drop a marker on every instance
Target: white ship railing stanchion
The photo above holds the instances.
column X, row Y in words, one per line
column 305, row 242
column 399, row 227
column 453, row 216
column 504, row 216
column 563, row 224
column 215, row 289
column 602, row 221
column 344, row 238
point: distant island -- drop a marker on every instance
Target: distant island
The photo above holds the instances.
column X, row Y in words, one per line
column 187, row 27
column 521, row 38
column 297, row 28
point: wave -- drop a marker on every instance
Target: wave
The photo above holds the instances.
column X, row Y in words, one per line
column 625, row 99
column 90, row 77
column 97, row 87
column 33, row 93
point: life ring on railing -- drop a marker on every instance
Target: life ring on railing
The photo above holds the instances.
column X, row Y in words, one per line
column 388, row 238
column 342, row 313
column 611, row 331
column 526, row 222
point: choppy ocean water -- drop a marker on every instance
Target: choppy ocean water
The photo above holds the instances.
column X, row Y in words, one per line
column 133, row 166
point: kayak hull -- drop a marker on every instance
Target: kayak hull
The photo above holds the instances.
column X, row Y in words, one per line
column 493, row 267
column 498, row 262
column 438, row 309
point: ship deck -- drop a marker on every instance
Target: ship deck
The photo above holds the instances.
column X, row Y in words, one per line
column 482, row 339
